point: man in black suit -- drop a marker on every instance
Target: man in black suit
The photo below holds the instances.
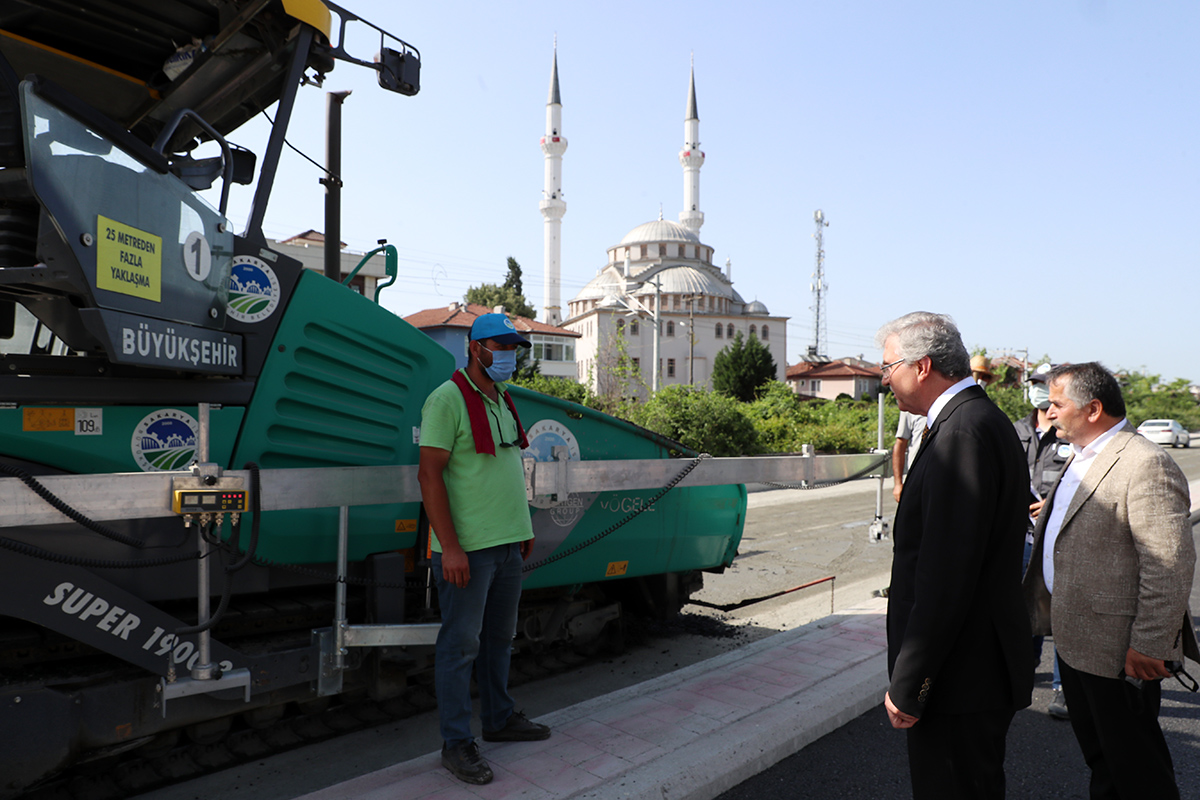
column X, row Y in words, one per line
column 958, row 634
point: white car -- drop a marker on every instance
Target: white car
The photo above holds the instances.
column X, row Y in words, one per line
column 1165, row 432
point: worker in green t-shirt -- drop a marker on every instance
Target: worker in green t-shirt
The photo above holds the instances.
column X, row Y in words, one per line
column 473, row 487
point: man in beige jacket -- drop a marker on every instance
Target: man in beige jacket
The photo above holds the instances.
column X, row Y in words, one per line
column 1110, row 576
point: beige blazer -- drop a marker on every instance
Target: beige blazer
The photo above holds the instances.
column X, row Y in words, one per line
column 1123, row 562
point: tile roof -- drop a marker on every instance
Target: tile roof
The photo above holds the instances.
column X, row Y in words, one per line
column 834, row 369
column 801, row 368
column 462, row 315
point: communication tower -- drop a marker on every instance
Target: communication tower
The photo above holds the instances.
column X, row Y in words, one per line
column 818, row 287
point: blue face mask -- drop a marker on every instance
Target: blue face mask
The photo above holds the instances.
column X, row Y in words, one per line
column 504, row 364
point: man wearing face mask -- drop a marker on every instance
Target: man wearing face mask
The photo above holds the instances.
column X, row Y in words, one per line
column 1047, row 455
column 473, row 486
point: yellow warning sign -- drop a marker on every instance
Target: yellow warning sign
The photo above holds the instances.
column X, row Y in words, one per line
column 48, row 419
column 616, row 568
column 128, row 261
column 406, row 526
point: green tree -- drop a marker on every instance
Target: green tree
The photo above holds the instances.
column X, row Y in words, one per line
column 528, row 367
column 742, row 368
column 563, row 388
column 513, row 279
column 508, row 294
column 1147, row 397
column 704, row 421
column 1010, row 398
column 619, row 381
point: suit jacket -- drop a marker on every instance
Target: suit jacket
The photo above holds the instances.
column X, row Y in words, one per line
column 958, row 633
column 1123, row 562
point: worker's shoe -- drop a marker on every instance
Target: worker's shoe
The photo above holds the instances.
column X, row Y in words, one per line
column 1058, row 706
column 465, row 763
column 518, row 728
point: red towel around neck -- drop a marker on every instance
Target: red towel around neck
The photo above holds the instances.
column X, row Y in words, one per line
column 480, row 429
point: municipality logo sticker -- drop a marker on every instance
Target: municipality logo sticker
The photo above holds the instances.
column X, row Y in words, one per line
column 253, row 290
column 165, row 440
column 544, row 435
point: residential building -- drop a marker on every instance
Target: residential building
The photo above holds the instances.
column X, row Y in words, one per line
column 450, row 326
column 832, row 379
column 309, row 249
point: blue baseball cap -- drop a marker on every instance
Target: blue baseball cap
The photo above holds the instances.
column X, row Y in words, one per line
column 498, row 328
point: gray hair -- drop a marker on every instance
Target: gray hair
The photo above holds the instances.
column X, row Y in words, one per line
column 1083, row 383
column 921, row 334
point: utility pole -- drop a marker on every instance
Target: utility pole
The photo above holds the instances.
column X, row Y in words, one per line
column 691, row 340
column 656, row 367
column 818, row 288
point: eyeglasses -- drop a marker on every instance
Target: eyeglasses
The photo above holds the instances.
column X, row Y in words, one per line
column 501, row 430
column 1176, row 669
column 886, row 369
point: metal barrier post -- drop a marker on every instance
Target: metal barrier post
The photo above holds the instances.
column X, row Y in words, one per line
column 204, row 669
column 339, row 624
column 878, row 530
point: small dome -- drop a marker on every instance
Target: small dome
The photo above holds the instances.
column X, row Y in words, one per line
column 606, row 283
column 687, row 280
column 756, row 307
column 660, row 230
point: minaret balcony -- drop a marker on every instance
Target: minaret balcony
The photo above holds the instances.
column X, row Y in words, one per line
column 554, row 145
column 553, row 208
column 691, row 158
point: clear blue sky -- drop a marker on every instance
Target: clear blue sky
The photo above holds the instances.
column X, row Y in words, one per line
column 1031, row 168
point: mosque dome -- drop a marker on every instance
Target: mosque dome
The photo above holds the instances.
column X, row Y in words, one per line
column 606, row 283
column 688, row 280
column 756, row 307
column 660, row 230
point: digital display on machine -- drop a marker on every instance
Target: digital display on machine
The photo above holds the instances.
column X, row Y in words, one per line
column 201, row 501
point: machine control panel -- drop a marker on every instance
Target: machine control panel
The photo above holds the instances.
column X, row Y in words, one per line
column 209, row 501
column 207, row 497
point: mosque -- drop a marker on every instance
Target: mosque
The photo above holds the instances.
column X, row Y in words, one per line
column 659, row 270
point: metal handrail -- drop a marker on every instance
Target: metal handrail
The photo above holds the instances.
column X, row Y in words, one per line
column 138, row 495
column 226, row 155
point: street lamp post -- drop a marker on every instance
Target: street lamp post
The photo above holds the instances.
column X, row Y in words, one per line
column 639, row 310
column 691, row 340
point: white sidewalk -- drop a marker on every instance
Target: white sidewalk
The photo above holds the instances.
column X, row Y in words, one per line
column 688, row 735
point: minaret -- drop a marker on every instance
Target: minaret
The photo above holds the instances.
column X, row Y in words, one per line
column 692, row 158
column 553, row 206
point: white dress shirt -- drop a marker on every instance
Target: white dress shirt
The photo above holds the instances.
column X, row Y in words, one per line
column 1072, row 476
column 944, row 398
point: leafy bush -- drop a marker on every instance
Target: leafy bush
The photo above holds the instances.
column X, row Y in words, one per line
column 563, row 388
column 1147, row 398
column 700, row 419
column 1010, row 399
column 785, row 423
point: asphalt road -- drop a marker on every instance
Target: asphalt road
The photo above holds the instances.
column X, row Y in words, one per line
column 866, row 758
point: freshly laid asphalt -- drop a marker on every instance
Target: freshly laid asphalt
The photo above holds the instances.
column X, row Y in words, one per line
column 866, row 758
